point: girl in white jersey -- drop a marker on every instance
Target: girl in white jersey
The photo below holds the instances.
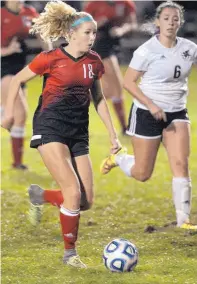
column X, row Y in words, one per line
column 159, row 109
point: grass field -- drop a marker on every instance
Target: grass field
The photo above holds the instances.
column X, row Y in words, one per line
column 123, row 208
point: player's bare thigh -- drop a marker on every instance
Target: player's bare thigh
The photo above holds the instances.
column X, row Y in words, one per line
column 176, row 139
column 57, row 159
column 112, row 79
column 5, row 82
column 20, row 109
column 83, row 167
column 145, row 152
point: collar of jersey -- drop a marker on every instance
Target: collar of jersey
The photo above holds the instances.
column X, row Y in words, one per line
column 166, row 48
column 69, row 55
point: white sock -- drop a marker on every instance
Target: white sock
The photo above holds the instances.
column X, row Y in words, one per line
column 116, row 100
column 69, row 212
column 125, row 162
column 17, row 132
column 181, row 187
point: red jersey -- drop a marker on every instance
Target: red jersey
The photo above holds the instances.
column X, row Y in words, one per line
column 66, row 75
column 16, row 24
column 63, row 108
column 115, row 11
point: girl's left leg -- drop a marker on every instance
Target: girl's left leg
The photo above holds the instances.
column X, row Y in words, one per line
column 176, row 139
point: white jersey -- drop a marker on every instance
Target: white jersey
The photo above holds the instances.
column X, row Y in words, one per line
column 166, row 72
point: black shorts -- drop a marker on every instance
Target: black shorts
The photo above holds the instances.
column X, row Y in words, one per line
column 142, row 124
column 103, row 50
column 77, row 147
column 11, row 70
column 14, row 63
column 106, row 46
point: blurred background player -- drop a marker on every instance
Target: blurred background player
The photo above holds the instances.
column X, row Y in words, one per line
column 60, row 124
column 16, row 19
column 159, row 109
column 115, row 19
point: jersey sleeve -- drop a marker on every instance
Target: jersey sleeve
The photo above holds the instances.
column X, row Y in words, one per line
column 32, row 12
column 40, row 64
column 100, row 68
column 140, row 61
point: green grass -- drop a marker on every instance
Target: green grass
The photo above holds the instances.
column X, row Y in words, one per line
column 123, row 208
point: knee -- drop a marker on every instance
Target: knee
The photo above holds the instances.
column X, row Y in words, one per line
column 72, row 193
column 75, row 194
column 143, row 175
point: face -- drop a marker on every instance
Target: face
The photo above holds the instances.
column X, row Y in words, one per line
column 169, row 22
column 84, row 36
column 14, row 4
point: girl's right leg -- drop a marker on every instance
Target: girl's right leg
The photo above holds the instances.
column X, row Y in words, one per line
column 145, row 153
column 146, row 135
column 56, row 157
column 141, row 165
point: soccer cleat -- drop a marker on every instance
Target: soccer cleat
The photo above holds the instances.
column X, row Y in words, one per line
column 110, row 162
column 36, row 194
column 75, row 261
column 188, row 226
column 36, row 200
column 35, row 214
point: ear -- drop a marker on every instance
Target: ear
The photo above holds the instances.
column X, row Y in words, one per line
column 72, row 34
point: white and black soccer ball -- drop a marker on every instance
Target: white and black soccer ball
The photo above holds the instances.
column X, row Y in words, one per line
column 120, row 255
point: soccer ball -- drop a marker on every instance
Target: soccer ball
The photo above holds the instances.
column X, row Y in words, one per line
column 120, row 255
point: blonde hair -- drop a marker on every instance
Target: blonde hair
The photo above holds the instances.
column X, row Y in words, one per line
column 56, row 20
column 151, row 27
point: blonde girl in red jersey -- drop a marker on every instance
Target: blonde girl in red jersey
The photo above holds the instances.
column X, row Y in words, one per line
column 60, row 124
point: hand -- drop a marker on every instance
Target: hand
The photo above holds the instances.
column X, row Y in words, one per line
column 116, row 32
column 116, row 145
column 14, row 46
column 7, row 122
column 157, row 112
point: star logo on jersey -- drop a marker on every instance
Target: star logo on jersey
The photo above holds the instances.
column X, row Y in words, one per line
column 186, row 55
column 60, row 66
column 26, row 21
